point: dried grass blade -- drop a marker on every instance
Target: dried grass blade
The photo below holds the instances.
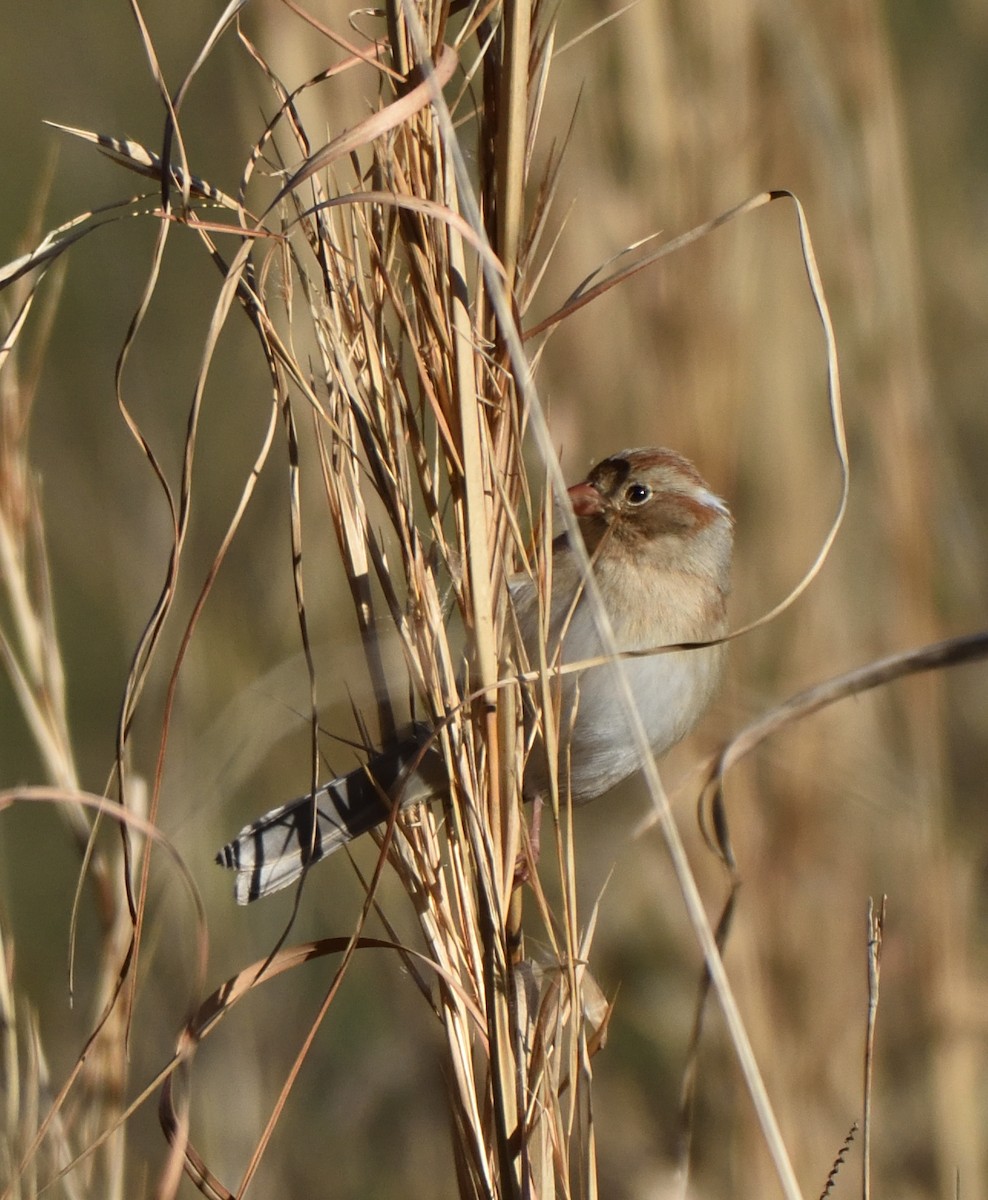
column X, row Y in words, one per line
column 933, row 657
column 141, row 161
column 172, row 129
column 57, row 241
column 876, row 933
column 226, row 17
column 372, row 60
column 104, row 807
column 219, row 1002
column 512, row 132
column 378, row 123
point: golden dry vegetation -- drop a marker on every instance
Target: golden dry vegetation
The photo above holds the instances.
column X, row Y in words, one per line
column 127, row 457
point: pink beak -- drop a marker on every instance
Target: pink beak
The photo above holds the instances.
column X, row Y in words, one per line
column 586, row 500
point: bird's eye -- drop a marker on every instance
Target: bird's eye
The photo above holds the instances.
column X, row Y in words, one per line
column 638, row 493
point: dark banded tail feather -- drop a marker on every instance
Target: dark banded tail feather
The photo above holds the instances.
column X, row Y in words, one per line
column 273, row 851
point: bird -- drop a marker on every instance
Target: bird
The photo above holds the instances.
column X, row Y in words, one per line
column 660, row 545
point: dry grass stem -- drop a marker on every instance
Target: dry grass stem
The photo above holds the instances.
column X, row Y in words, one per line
column 385, row 262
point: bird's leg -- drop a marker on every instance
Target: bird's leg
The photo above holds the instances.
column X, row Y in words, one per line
column 535, row 833
column 528, row 858
column 525, row 865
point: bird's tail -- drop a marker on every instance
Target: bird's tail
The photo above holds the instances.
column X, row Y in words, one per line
column 274, row 850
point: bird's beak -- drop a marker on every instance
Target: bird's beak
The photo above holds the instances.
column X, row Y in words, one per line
column 586, row 500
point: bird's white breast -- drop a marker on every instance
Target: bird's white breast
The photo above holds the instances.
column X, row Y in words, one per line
column 669, row 690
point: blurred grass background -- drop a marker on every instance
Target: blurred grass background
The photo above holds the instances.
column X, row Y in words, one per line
column 876, row 116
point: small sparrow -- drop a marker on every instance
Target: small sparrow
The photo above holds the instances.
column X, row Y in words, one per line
column 660, row 545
